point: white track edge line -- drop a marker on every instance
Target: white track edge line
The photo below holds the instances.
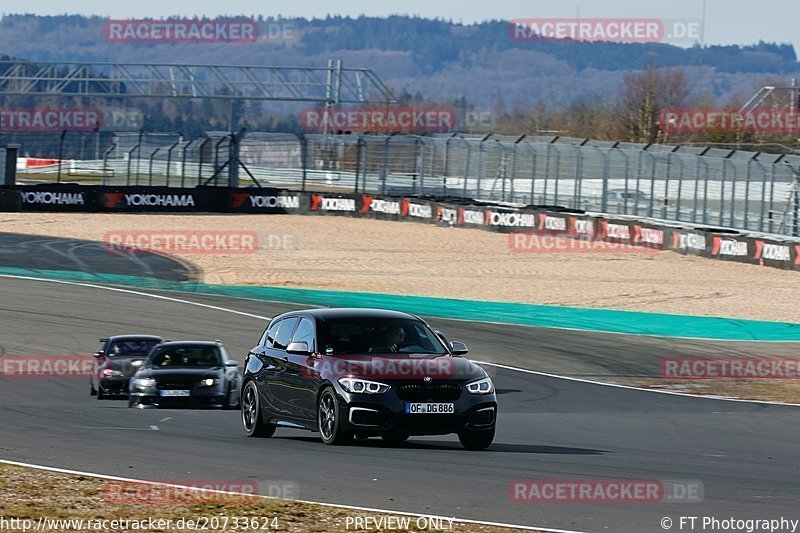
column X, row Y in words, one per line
column 333, row 505
column 633, row 387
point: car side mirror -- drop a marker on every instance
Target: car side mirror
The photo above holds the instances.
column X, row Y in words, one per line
column 298, row 348
column 458, row 348
column 231, row 363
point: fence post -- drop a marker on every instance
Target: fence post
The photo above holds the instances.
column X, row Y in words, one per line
column 796, row 221
column 576, row 192
column 233, row 158
column 747, row 176
column 139, row 156
column 60, row 154
column 627, row 175
column 558, row 173
column 150, row 169
column 200, row 160
column 604, row 187
column 418, row 166
column 358, row 163
column 548, row 158
column 130, row 162
column 105, row 161
column 722, row 192
column 701, row 160
column 169, row 156
column 466, row 168
column 481, row 162
column 301, row 138
column 732, row 222
column 184, row 151
column 385, row 169
column 533, row 173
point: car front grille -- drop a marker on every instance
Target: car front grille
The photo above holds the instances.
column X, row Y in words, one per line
column 429, row 392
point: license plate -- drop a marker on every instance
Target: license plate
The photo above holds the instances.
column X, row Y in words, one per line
column 429, row 408
column 176, row 393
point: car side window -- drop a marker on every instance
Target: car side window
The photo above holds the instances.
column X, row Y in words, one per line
column 285, row 333
column 305, row 333
column 269, row 335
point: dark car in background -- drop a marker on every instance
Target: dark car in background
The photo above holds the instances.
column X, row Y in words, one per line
column 363, row 373
column 118, row 360
column 186, row 374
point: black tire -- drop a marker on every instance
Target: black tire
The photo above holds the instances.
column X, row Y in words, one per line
column 131, row 403
column 476, row 440
column 328, row 420
column 394, row 437
column 253, row 423
column 100, row 394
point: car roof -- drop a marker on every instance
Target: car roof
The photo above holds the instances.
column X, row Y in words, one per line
column 349, row 312
column 192, row 343
column 132, row 337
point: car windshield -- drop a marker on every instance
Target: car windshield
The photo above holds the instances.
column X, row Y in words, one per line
column 131, row 348
column 185, row 356
column 343, row 336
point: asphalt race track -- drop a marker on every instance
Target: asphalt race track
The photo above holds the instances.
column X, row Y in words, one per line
column 744, row 454
column 51, row 253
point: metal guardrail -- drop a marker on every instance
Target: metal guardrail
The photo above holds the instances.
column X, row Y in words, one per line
column 728, row 188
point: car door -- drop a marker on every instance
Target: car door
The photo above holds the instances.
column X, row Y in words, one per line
column 300, row 375
column 264, row 370
column 278, row 361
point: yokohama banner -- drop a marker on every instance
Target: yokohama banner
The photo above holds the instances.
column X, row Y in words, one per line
column 544, row 222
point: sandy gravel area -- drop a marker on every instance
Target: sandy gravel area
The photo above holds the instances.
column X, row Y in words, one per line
column 419, row 259
column 38, row 500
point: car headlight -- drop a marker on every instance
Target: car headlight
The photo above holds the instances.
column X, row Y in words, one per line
column 482, row 386
column 362, row 386
column 208, row 382
column 144, row 382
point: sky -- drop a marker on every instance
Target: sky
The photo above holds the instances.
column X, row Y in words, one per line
column 726, row 21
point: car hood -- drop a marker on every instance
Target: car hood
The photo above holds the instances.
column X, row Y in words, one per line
column 124, row 364
column 399, row 367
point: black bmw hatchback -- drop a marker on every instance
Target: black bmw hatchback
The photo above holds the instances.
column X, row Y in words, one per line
column 362, row 373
